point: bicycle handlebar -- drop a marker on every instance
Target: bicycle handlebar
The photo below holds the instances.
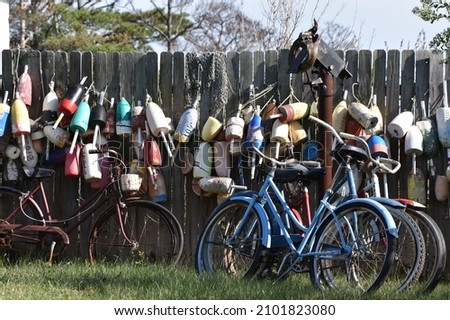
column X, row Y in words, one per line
column 380, row 163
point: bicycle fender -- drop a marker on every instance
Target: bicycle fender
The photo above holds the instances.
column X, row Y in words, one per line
column 246, row 196
column 411, row 203
column 392, row 228
column 395, row 203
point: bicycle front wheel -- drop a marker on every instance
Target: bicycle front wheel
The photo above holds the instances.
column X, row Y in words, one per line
column 140, row 231
column 352, row 249
column 221, row 249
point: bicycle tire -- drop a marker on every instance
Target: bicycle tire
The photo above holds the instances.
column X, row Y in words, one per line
column 410, row 251
column 156, row 235
column 436, row 251
column 240, row 259
column 365, row 267
column 18, row 243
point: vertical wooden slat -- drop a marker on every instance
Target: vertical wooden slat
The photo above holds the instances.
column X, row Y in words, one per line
column 365, row 76
column 284, row 78
column 379, row 76
column 392, row 109
column 178, row 181
column 351, row 59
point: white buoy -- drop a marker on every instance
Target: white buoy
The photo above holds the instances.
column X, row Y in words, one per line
column 157, row 122
column 399, row 126
column 91, row 163
column 279, row 134
column 203, row 161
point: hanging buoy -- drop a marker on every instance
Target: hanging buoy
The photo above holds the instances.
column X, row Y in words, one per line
column 38, row 139
column 362, row 115
column 110, row 125
column 186, row 125
column 294, row 111
column 12, row 174
column 296, row 132
column 30, row 158
column 12, row 151
column 310, row 150
column 441, row 188
column 268, row 115
column 279, row 135
column 378, row 128
column 72, row 166
column 210, row 129
column 24, row 87
column 59, row 137
column 50, row 105
column 123, row 118
column 216, row 184
column 399, row 126
column 5, row 110
column 340, row 114
column 413, row 141
column 378, row 147
column 91, row 163
column 234, row 130
column 203, row 161
column 56, row 157
column 80, row 121
column 97, row 119
column 222, row 159
column 157, row 123
column 353, row 127
column 20, row 121
column 170, row 133
column 157, row 188
column 101, row 183
column 138, row 125
column 70, row 102
column 428, row 130
column 187, row 163
column 152, row 154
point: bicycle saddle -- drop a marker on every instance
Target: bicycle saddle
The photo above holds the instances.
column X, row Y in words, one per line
column 38, row 172
column 298, row 170
column 353, row 152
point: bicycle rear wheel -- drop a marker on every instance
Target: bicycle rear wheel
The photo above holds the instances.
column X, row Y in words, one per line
column 361, row 258
column 410, row 251
column 436, row 251
column 21, row 241
column 239, row 258
column 142, row 231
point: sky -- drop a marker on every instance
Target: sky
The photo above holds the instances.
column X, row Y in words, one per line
column 384, row 24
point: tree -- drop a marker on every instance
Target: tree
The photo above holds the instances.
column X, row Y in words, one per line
column 222, row 26
column 169, row 23
column 28, row 17
column 284, row 16
column 432, row 11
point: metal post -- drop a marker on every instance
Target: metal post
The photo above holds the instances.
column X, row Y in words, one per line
column 325, row 109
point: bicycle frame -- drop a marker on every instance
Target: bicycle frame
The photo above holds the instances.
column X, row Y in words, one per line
column 109, row 195
column 264, row 205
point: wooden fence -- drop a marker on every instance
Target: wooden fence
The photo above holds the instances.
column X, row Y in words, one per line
column 172, row 80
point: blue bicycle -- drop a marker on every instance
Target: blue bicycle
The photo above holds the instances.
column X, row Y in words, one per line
column 349, row 245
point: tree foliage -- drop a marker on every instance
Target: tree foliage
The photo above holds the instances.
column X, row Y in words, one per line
column 432, row 11
column 223, row 26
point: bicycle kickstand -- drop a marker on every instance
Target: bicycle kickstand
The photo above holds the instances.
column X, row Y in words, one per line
column 52, row 249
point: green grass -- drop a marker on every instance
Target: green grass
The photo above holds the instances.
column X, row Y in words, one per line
column 35, row 280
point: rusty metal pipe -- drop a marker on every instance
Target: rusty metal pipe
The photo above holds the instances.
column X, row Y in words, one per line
column 325, row 138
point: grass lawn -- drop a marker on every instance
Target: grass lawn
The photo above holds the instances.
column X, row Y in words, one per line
column 35, row 280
